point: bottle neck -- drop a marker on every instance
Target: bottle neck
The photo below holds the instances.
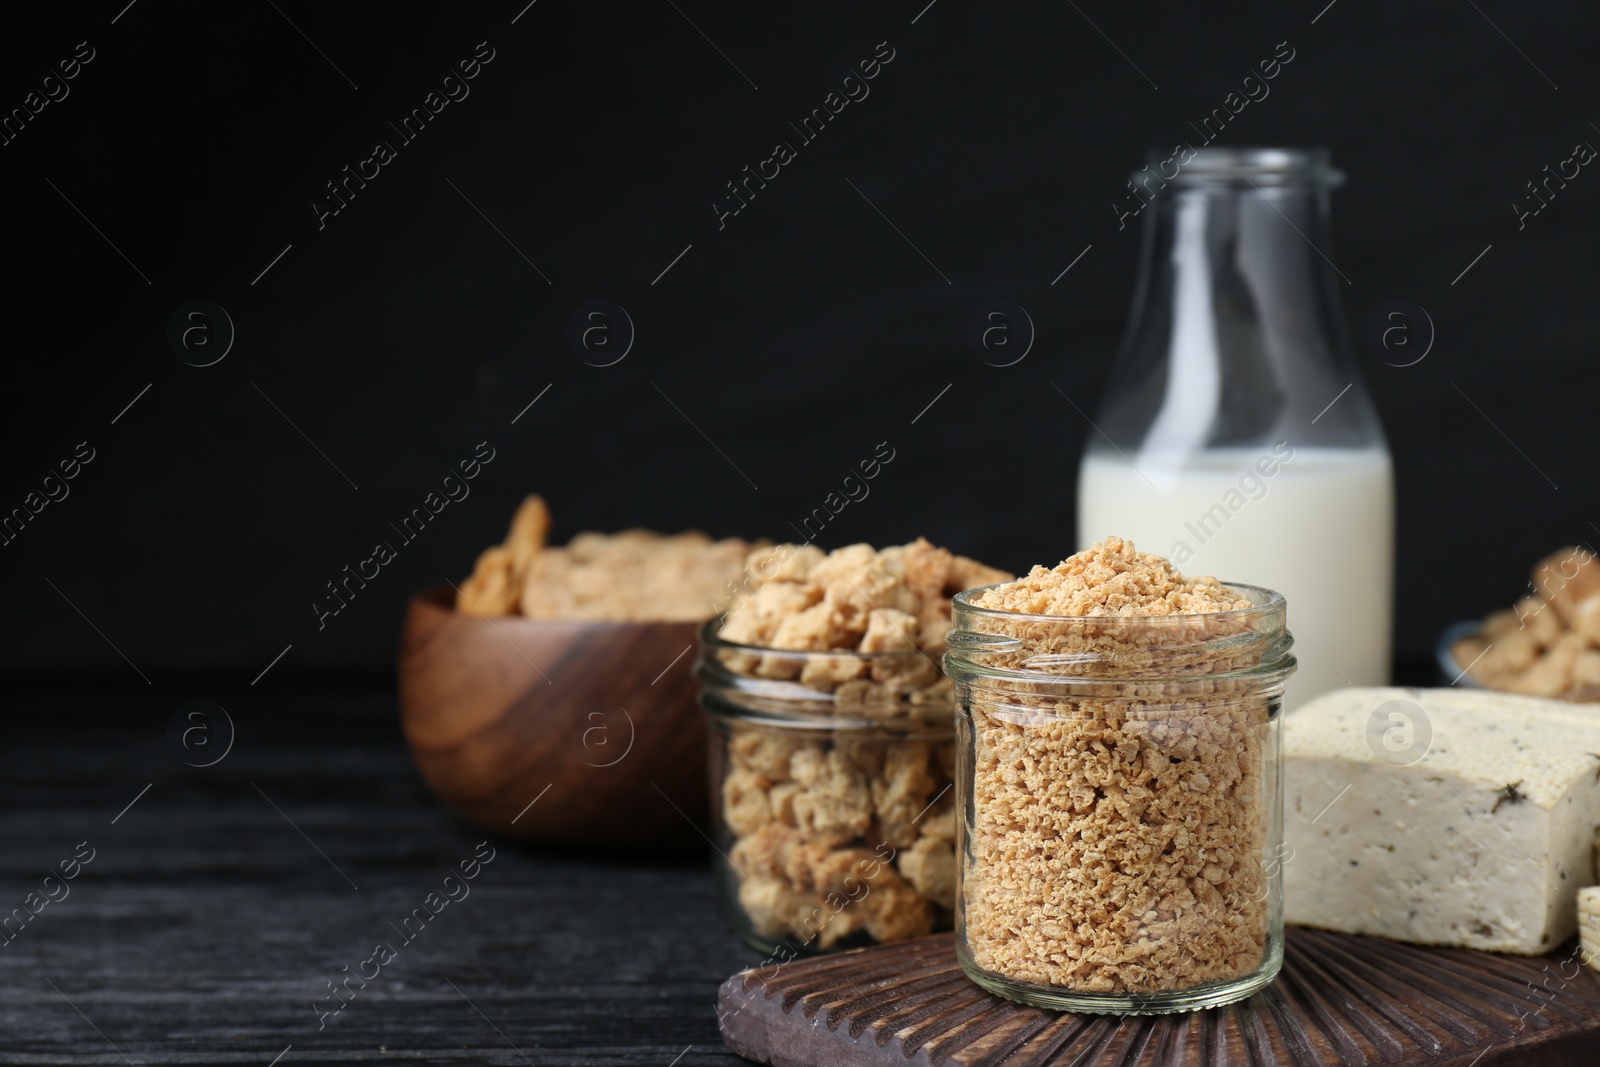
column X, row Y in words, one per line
column 1237, row 338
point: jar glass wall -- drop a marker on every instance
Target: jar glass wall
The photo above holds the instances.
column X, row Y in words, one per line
column 831, row 778
column 1119, row 784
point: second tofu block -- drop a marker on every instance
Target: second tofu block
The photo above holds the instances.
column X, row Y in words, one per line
column 1440, row 816
column 1589, row 926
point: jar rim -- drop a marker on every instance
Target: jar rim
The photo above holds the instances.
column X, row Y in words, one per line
column 710, row 640
column 1264, row 602
column 1249, row 644
column 1228, row 165
column 786, row 702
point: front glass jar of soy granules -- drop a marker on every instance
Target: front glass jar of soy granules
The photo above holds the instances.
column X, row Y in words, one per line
column 831, row 780
column 1119, row 789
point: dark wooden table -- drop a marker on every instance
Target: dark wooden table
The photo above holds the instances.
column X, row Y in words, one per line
column 218, row 907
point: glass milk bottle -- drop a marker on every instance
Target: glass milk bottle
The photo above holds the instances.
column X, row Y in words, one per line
column 1235, row 435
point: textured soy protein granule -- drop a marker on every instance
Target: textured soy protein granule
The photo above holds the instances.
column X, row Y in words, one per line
column 1115, row 844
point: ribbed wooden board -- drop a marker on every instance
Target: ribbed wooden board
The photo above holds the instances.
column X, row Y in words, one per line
column 1339, row 1000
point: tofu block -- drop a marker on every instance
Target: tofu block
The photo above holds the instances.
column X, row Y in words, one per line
column 1589, row 926
column 1440, row 816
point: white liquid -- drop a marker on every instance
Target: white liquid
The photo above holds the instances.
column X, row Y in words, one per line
column 1319, row 530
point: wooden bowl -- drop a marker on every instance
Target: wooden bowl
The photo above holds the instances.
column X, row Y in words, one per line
column 577, row 733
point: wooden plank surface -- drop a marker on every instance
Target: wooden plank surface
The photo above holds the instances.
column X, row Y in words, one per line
column 206, row 924
column 1339, row 1000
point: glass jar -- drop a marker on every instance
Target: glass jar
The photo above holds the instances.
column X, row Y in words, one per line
column 1235, row 435
column 1119, row 783
column 831, row 782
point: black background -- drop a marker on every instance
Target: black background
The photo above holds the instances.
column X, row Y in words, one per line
column 796, row 338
